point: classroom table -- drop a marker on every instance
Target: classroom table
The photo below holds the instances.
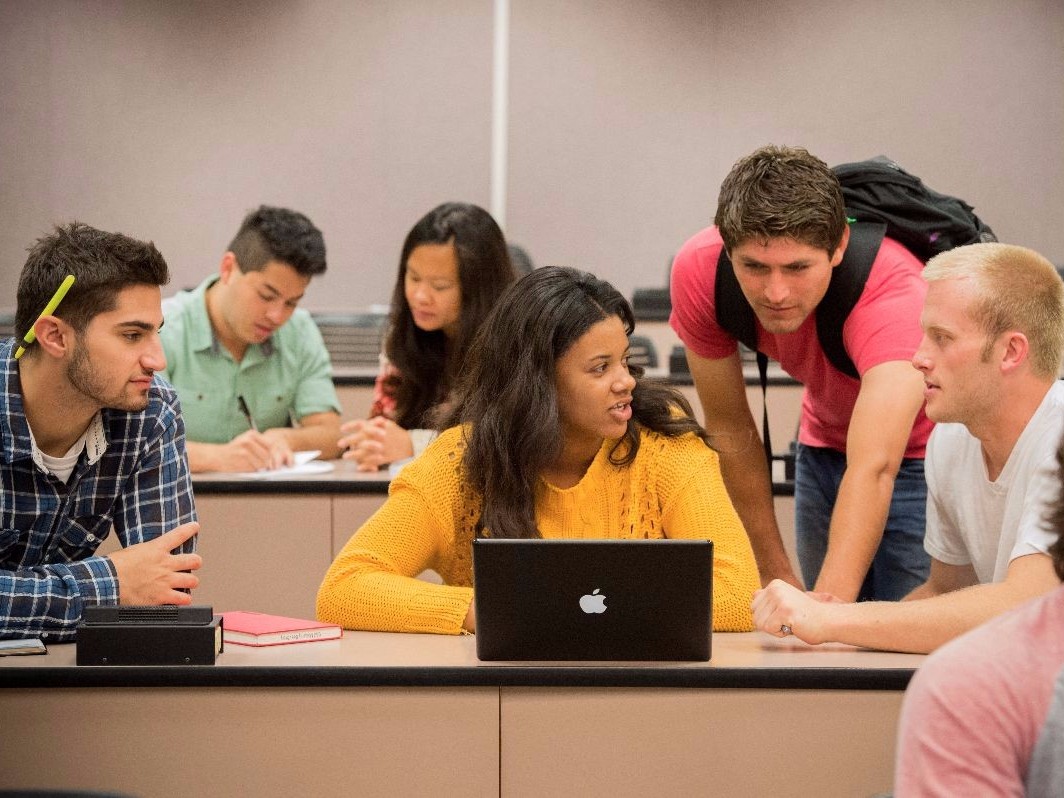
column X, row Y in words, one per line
column 399, row 714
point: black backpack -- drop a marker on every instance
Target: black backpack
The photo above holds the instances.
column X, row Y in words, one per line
column 881, row 199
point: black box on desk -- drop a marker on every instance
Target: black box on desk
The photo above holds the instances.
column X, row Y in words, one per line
column 167, row 635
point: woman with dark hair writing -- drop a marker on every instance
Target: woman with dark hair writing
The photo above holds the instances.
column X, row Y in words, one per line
column 453, row 267
column 551, row 434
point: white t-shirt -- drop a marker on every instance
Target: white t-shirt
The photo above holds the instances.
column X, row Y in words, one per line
column 988, row 524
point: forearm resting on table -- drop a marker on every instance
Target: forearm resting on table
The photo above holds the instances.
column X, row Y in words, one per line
column 921, row 625
column 366, row 598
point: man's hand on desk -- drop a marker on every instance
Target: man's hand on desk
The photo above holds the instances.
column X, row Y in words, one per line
column 249, row 451
column 150, row 574
column 375, row 442
column 806, row 614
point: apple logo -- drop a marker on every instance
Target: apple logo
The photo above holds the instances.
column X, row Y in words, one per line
column 593, row 603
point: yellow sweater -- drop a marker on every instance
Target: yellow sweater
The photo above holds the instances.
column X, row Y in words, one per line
column 672, row 489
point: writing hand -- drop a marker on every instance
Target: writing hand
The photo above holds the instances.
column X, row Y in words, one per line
column 281, row 453
column 252, row 451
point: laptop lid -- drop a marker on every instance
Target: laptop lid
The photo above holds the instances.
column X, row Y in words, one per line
column 593, row 599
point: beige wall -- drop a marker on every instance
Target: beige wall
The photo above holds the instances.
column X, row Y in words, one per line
column 170, row 120
column 627, row 115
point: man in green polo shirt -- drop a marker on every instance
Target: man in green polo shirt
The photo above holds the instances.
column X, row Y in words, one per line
column 251, row 369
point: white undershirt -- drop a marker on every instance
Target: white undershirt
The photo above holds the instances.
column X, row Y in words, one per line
column 63, row 467
column 93, row 440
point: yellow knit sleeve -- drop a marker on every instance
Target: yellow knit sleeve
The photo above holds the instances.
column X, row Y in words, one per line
column 372, row 583
column 696, row 505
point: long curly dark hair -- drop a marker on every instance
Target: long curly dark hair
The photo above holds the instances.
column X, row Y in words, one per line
column 427, row 362
column 507, row 393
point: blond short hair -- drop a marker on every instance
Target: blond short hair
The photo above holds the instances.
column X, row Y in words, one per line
column 1018, row 289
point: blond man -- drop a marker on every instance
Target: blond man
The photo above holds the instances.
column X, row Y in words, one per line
column 993, row 324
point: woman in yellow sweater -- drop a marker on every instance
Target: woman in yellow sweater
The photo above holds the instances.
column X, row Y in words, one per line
column 551, row 434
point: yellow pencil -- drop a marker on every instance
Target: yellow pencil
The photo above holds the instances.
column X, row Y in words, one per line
column 49, row 309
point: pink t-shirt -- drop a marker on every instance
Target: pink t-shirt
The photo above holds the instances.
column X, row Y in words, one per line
column 976, row 708
column 884, row 325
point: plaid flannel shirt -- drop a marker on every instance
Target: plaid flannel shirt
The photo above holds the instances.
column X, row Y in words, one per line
column 138, row 481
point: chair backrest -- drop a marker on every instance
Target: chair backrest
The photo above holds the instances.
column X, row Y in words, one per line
column 353, row 339
column 641, row 352
column 651, row 304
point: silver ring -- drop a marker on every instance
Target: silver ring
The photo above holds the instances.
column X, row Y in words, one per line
column 785, row 630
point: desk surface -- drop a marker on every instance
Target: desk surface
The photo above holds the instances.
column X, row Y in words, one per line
column 368, row 659
column 344, row 478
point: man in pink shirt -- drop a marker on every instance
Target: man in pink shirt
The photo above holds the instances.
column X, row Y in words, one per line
column 859, row 487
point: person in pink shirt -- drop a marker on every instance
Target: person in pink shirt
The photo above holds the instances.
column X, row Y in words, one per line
column 859, row 489
column 984, row 715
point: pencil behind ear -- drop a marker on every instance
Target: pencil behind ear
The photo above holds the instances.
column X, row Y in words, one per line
column 54, row 336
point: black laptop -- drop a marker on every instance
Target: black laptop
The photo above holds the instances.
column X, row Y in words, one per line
column 593, row 599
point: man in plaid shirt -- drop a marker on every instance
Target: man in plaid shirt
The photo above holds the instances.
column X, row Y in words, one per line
column 90, row 439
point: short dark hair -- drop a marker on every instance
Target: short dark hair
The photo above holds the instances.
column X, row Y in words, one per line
column 781, row 192
column 282, row 235
column 103, row 264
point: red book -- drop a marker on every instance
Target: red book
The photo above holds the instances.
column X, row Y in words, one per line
column 260, row 629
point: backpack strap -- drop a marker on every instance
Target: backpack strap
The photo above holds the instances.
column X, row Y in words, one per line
column 847, row 284
column 736, row 317
column 734, row 314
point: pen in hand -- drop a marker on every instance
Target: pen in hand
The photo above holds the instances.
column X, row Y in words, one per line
column 247, row 413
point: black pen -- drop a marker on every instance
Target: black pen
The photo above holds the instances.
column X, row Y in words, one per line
column 247, row 413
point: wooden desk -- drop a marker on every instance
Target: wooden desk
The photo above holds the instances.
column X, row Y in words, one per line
column 381, row 714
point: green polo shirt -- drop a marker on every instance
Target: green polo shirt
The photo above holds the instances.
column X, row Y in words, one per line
column 287, row 377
